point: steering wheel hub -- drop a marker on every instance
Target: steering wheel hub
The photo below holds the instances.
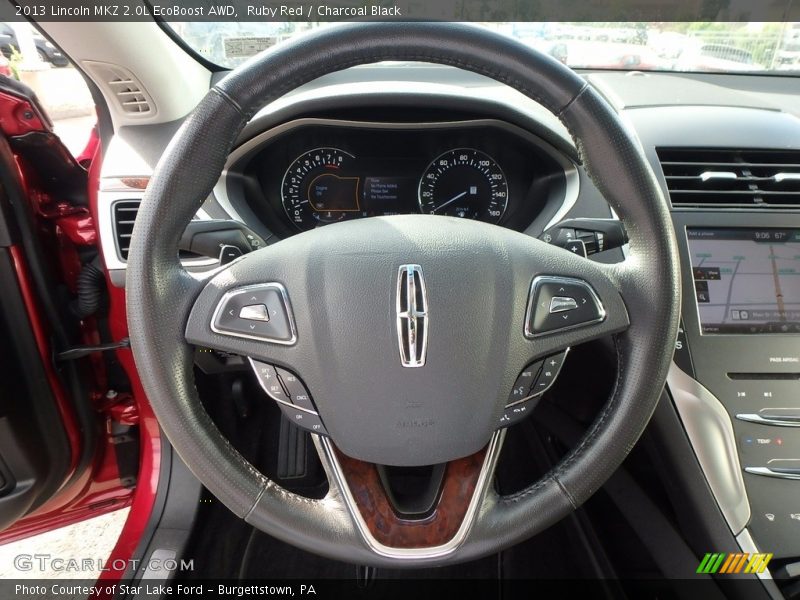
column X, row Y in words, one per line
column 348, row 288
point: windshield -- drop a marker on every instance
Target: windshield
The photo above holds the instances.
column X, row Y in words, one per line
column 702, row 47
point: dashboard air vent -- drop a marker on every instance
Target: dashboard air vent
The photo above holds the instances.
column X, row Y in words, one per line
column 131, row 96
column 124, row 213
column 732, row 178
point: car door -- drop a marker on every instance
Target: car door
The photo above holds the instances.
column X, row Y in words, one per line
column 68, row 435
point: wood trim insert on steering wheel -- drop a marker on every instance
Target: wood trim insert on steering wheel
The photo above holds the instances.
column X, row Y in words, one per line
column 123, row 184
column 459, row 484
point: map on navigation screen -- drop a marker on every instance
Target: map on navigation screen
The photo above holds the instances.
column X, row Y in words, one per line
column 746, row 280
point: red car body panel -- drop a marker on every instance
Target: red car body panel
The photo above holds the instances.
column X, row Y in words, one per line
column 144, row 496
column 96, row 490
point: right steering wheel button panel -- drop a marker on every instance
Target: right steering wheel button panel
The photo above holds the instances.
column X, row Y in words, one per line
column 558, row 303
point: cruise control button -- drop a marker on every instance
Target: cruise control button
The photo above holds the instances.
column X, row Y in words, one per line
column 228, row 254
column 259, row 312
column 306, row 420
column 550, row 369
column 523, row 384
column 563, row 236
column 298, row 394
column 268, row 380
column 576, row 247
column 549, row 293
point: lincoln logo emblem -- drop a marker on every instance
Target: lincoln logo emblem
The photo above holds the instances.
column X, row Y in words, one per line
column 412, row 316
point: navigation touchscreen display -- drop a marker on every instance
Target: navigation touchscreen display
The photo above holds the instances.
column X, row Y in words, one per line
column 746, row 280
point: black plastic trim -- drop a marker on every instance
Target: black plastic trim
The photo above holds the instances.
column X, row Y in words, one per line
column 34, row 449
column 42, row 279
column 164, row 26
column 174, row 511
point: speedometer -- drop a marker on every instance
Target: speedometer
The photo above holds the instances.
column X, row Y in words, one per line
column 465, row 183
column 318, row 188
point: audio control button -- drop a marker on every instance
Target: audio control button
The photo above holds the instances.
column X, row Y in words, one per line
column 524, row 383
column 551, row 367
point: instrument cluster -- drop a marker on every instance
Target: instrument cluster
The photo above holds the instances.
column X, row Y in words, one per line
column 317, row 172
column 326, row 185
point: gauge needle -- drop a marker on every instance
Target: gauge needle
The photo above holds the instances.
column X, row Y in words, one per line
column 453, row 199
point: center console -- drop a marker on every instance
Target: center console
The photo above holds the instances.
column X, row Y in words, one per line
column 738, row 356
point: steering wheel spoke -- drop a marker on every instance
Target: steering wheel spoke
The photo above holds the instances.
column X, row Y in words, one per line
column 436, row 530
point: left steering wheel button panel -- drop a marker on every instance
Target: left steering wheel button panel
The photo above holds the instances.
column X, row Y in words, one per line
column 291, row 395
column 259, row 312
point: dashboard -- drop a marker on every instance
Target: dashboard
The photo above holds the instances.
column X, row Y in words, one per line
column 314, row 172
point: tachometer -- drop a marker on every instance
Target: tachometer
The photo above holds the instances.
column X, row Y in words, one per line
column 318, row 189
column 464, row 183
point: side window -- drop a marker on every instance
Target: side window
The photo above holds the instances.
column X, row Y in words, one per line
column 32, row 59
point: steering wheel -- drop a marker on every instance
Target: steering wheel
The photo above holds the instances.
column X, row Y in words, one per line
column 402, row 340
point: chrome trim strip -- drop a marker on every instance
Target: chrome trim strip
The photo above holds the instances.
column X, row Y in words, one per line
column 530, row 334
column 748, row 544
column 273, row 285
column 767, row 472
column 571, row 175
column 334, row 471
column 196, row 263
column 774, row 421
column 779, row 177
column 710, row 432
column 794, row 461
column 707, row 175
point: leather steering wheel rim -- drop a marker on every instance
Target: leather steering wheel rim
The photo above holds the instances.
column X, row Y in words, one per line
column 161, row 294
